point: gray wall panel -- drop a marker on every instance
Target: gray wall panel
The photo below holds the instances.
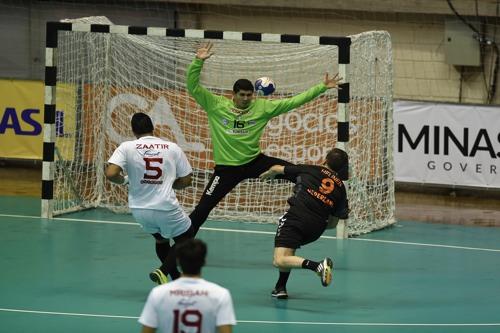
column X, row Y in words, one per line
column 15, row 42
column 22, row 26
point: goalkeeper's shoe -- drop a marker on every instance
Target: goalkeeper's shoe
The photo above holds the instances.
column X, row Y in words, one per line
column 325, row 271
column 279, row 293
column 158, row 276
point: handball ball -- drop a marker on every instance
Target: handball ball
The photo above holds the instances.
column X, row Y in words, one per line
column 264, row 86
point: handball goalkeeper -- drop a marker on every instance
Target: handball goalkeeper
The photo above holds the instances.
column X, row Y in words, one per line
column 236, row 126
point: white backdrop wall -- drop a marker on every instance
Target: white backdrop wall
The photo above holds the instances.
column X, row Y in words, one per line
column 449, row 144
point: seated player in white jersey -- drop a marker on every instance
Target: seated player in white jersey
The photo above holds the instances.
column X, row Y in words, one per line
column 190, row 303
column 318, row 201
column 154, row 168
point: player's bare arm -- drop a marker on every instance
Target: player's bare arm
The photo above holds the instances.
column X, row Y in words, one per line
column 182, row 182
column 273, row 171
column 147, row 329
column 225, row 329
column 204, row 51
column 114, row 174
column 333, row 82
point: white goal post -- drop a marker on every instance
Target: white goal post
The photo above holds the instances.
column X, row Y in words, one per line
column 98, row 75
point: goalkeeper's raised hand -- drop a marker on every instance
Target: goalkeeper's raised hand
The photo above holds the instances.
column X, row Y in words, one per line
column 332, row 82
column 204, row 51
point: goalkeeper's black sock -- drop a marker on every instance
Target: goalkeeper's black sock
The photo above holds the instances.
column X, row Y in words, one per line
column 282, row 280
column 309, row 264
column 174, row 273
column 162, row 250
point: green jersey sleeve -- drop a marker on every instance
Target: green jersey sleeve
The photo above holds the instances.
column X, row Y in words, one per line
column 280, row 106
column 202, row 96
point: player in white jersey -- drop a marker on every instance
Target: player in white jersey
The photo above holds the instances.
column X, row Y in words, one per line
column 189, row 304
column 154, row 168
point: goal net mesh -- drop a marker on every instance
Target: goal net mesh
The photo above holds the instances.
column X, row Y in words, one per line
column 104, row 78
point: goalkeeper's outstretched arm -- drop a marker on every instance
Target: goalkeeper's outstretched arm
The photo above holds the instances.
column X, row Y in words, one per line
column 287, row 104
column 204, row 97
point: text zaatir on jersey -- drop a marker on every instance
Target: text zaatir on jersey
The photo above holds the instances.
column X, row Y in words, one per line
column 151, row 146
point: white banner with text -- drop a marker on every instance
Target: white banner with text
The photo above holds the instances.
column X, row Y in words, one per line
column 449, row 144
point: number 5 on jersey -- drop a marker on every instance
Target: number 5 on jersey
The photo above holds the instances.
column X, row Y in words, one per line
column 153, row 167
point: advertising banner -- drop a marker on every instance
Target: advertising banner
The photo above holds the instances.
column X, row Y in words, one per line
column 293, row 136
column 21, row 119
column 447, row 144
column 434, row 143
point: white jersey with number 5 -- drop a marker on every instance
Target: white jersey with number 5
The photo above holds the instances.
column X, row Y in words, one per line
column 190, row 305
column 152, row 165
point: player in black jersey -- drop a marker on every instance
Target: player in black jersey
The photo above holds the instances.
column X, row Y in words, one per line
column 318, row 201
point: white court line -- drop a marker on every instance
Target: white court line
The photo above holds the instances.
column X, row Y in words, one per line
column 66, row 313
column 266, row 233
column 259, row 321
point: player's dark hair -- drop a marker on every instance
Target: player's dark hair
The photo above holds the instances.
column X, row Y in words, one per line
column 141, row 124
column 337, row 160
column 191, row 256
column 242, row 84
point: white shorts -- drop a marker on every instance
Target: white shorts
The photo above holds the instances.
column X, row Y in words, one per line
column 168, row 223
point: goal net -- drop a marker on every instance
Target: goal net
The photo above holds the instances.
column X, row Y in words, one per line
column 105, row 77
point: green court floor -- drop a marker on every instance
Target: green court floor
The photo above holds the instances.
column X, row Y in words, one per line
column 88, row 272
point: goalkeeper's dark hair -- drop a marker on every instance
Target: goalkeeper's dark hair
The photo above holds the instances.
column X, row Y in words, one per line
column 141, row 124
column 191, row 255
column 337, row 160
column 242, row 84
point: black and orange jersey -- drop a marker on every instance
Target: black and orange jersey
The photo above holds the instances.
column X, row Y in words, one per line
column 318, row 193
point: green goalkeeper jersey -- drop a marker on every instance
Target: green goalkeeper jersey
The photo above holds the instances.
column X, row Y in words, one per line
column 236, row 133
